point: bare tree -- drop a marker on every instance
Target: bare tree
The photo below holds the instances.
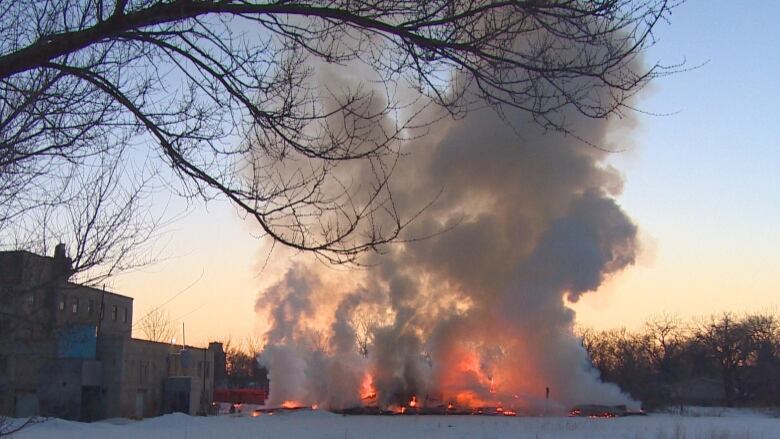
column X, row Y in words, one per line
column 364, row 321
column 664, row 342
column 253, row 345
column 225, row 93
column 99, row 210
column 157, row 325
column 240, row 358
column 669, row 362
column 727, row 340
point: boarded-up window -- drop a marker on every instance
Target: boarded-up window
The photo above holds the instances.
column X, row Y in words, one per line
column 114, row 310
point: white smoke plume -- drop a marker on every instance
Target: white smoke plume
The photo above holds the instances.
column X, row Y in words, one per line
column 475, row 314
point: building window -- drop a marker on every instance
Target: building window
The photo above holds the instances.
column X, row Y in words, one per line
column 75, row 305
column 90, row 306
column 114, row 310
column 124, row 314
column 31, row 299
column 62, row 303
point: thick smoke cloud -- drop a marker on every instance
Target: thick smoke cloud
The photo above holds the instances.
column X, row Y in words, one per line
column 475, row 313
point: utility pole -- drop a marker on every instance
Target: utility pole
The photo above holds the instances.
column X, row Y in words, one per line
column 546, row 399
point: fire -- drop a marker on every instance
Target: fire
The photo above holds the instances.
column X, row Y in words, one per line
column 469, row 398
column 413, row 402
column 367, row 389
column 292, row 404
column 466, row 382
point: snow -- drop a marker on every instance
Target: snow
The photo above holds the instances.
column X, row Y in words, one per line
column 323, row 425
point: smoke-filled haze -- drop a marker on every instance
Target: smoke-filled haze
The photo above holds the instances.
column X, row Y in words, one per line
column 474, row 314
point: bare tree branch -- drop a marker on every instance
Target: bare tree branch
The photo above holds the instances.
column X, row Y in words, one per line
column 230, row 99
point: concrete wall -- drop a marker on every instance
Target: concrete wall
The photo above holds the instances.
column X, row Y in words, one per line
column 52, row 333
column 59, row 392
column 19, row 375
column 110, row 351
column 82, row 305
column 147, row 364
column 28, row 284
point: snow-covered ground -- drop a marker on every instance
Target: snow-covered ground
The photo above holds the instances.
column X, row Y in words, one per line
column 323, row 425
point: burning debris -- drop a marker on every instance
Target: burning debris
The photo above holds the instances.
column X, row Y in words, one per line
column 475, row 316
column 604, row 411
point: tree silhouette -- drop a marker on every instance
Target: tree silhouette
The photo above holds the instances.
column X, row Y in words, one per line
column 224, row 94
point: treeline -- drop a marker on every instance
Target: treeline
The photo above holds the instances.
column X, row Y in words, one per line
column 724, row 359
column 241, row 367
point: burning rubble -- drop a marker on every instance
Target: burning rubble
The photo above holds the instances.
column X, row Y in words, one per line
column 472, row 319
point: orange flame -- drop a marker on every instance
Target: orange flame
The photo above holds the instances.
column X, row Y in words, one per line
column 367, row 389
column 292, row 404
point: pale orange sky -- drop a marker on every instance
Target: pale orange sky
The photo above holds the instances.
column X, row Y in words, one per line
column 214, row 252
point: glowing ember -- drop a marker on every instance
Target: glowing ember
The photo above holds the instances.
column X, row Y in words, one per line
column 291, row 404
column 413, row 402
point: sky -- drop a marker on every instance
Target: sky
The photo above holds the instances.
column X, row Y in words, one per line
column 701, row 182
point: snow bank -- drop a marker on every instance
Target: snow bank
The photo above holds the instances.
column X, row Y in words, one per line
column 324, row 425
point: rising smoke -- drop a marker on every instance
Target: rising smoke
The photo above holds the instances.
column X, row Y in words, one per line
column 475, row 314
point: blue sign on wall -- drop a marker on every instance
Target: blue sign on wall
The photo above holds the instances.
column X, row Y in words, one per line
column 78, row 342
